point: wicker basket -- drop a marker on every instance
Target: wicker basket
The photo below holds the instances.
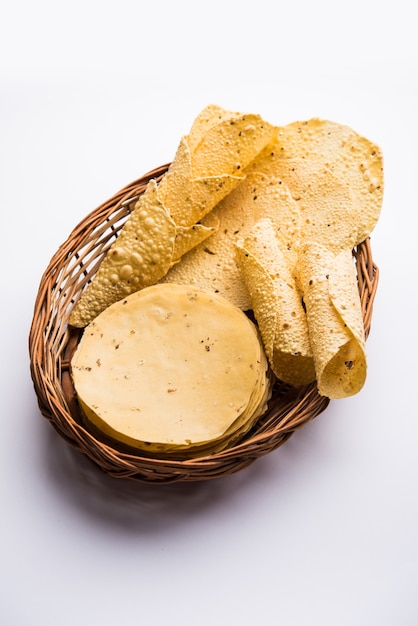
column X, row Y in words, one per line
column 52, row 343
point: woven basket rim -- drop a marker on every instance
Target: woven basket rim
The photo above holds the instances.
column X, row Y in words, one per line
column 52, row 343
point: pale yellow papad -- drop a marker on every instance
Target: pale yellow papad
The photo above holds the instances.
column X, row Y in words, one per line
column 171, row 367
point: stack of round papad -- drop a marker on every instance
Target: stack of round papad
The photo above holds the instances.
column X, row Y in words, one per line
column 172, row 370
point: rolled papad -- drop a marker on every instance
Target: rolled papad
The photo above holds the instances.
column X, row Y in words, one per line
column 277, row 304
column 335, row 322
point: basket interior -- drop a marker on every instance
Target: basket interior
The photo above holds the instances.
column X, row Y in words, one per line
column 52, row 343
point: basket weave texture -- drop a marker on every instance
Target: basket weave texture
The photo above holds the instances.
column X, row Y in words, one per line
column 52, row 343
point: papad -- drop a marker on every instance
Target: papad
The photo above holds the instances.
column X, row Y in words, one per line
column 213, row 264
column 353, row 160
column 210, row 162
column 139, row 257
column 335, row 322
column 277, row 305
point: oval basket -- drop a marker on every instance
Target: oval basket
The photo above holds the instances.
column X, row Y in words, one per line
column 52, row 343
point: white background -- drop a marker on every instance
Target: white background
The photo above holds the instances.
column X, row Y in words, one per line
column 323, row 531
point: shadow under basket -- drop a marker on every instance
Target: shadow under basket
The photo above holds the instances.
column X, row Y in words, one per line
column 52, row 343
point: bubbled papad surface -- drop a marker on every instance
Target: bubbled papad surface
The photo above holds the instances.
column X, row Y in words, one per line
column 164, row 223
column 213, row 264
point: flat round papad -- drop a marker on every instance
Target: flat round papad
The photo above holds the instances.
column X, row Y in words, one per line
column 172, row 369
